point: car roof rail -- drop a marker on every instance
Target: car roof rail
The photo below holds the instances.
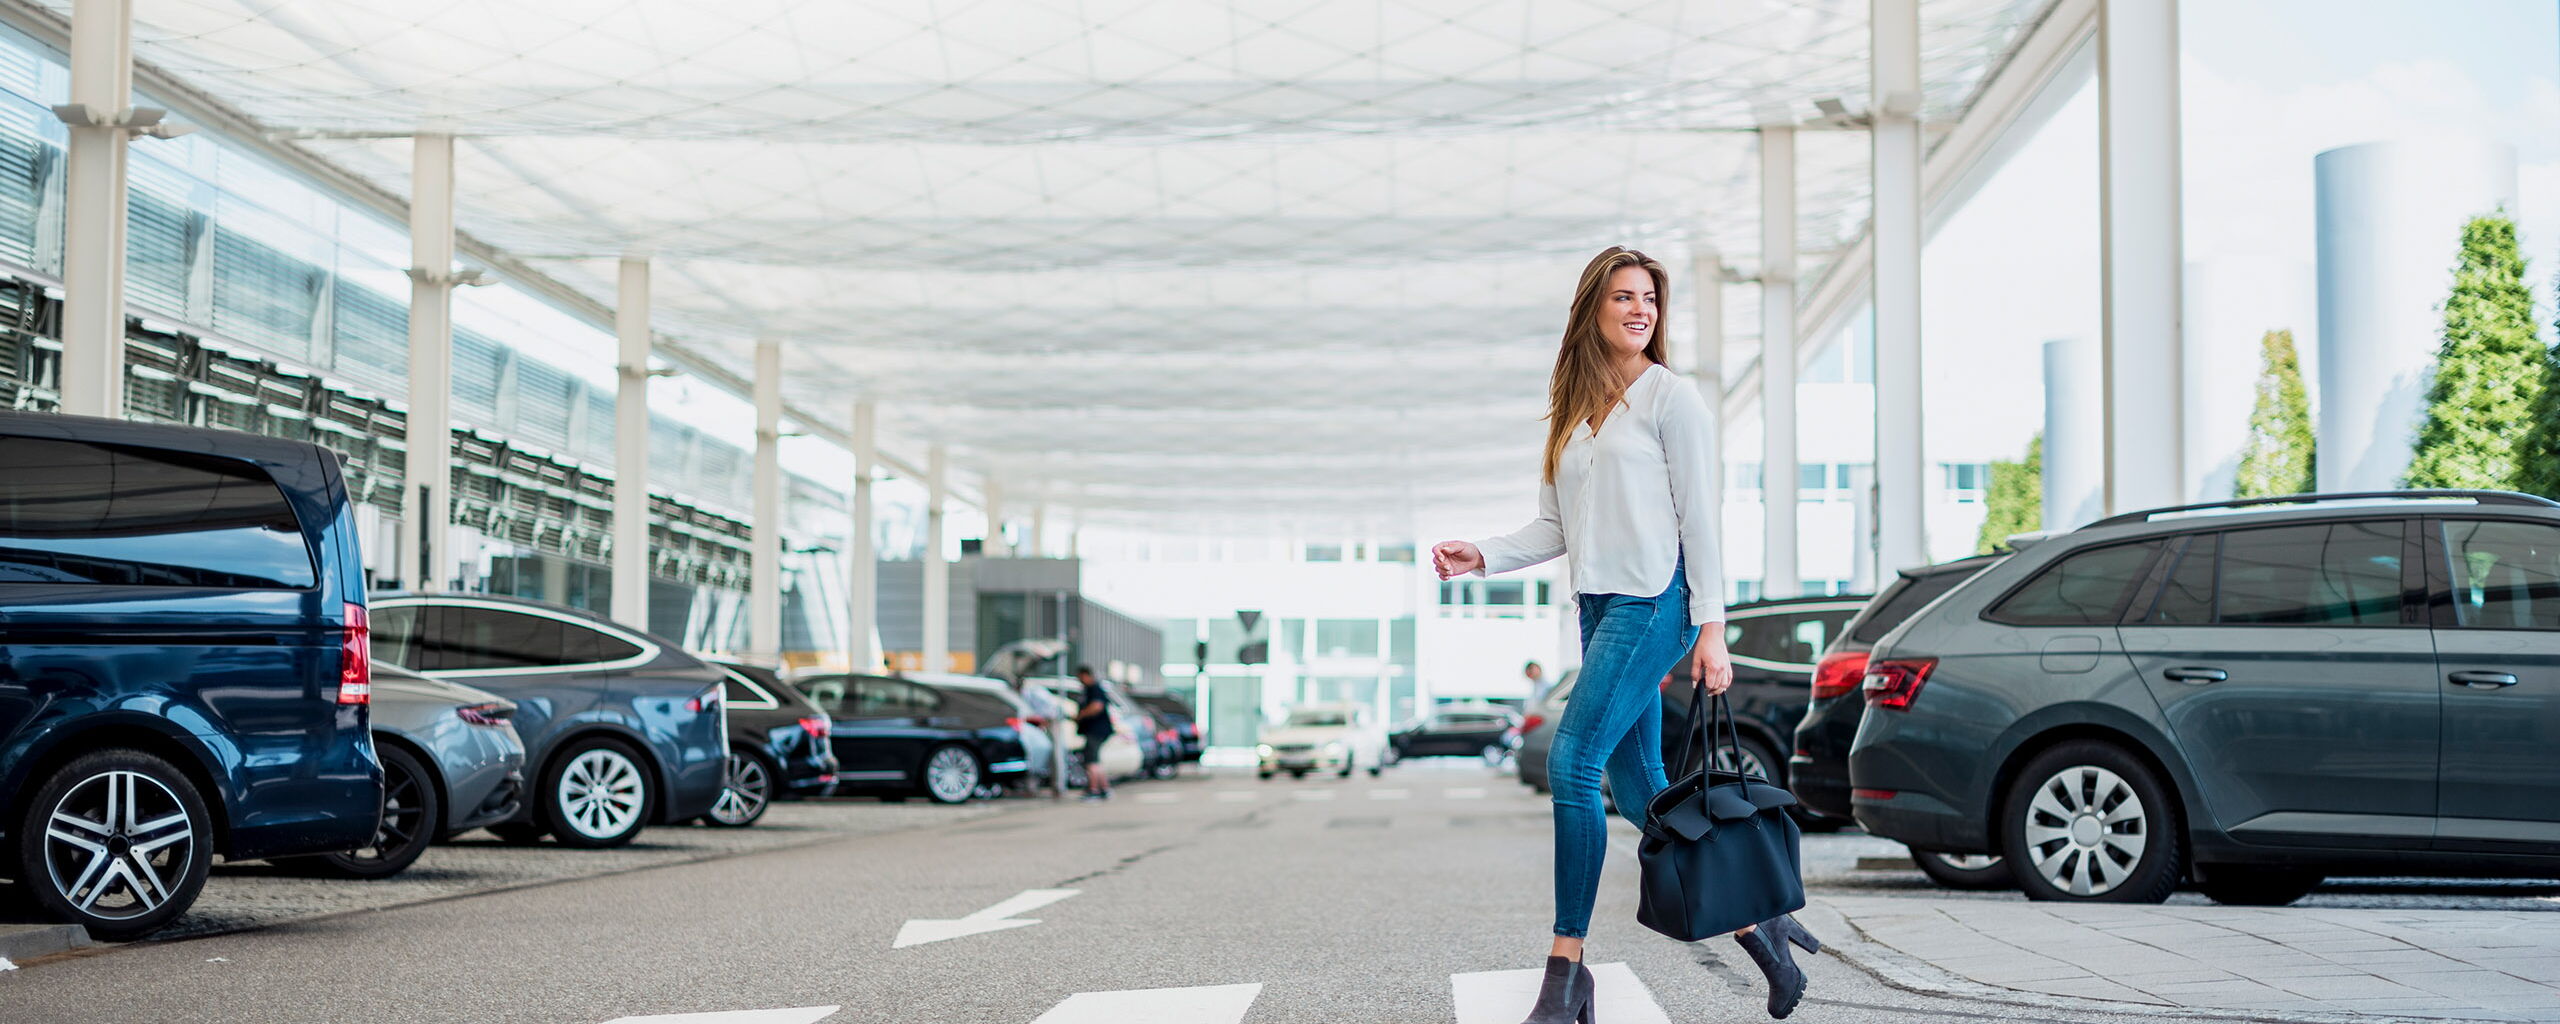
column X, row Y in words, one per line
column 2475, row 496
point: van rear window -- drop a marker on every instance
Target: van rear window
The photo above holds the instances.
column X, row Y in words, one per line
column 76, row 512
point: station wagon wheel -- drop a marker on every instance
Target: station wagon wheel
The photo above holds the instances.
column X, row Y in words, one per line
column 951, row 774
column 596, row 794
column 412, row 815
column 117, row 841
column 745, row 792
column 2088, row 821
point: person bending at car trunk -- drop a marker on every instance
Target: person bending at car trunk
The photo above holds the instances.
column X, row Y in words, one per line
column 1093, row 722
column 1625, row 491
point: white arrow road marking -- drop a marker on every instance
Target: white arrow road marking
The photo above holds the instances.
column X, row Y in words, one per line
column 993, row 919
column 1500, row 997
column 1466, row 793
column 796, row 1015
column 1213, row 1004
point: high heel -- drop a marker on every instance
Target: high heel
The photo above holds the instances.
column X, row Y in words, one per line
column 1564, row 997
column 1787, row 925
column 1786, row 980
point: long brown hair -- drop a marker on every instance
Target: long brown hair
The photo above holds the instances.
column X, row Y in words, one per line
column 1584, row 386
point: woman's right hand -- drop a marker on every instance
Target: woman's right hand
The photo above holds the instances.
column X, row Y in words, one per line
column 1456, row 558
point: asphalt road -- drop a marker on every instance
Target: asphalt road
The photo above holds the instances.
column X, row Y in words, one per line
column 1344, row 900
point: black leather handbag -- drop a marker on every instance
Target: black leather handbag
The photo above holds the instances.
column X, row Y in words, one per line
column 1720, row 851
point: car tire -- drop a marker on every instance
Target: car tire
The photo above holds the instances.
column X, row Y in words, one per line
column 1349, row 765
column 412, row 818
column 950, row 774
column 746, row 790
column 1265, row 776
column 2240, row 885
column 2086, row 821
column 70, row 871
column 1297, row 773
column 1965, row 872
column 519, row 833
column 596, row 794
column 1375, row 769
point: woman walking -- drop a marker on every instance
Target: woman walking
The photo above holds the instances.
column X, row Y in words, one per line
column 1625, row 492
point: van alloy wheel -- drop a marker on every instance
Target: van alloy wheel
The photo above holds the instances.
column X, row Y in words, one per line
column 119, row 845
column 2086, row 830
column 601, row 793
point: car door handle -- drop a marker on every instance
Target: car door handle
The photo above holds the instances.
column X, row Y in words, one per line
column 2197, row 674
column 2483, row 680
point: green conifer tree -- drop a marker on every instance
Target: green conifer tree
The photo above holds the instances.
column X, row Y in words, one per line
column 2487, row 390
column 2279, row 456
column 2015, row 502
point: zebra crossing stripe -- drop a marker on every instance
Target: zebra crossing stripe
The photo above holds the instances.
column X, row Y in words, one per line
column 794, row 1015
column 1501, row 997
column 1211, row 1004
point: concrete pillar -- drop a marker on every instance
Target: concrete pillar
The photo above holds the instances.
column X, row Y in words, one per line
column 631, row 448
column 426, row 506
column 1901, row 467
column 94, row 207
column 1779, row 577
column 1707, row 361
column 863, row 581
column 994, row 546
column 1075, row 530
column 2390, row 226
column 1039, row 538
column 937, row 569
column 764, row 580
column 2141, row 253
column 2074, row 434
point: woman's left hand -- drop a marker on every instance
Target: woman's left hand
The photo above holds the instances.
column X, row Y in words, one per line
column 1708, row 661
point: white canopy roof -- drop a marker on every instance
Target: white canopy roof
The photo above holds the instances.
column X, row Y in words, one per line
column 1301, row 260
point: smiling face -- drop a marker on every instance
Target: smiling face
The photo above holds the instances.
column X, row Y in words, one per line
column 1629, row 311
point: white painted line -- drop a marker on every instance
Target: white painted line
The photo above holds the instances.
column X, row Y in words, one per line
column 1213, row 1004
column 993, row 919
column 795, row 1015
column 1389, row 794
column 1159, row 798
column 1501, row 997
column 1238, row 796
column 1466, row 793
column 1314, row 797
column 5, row 965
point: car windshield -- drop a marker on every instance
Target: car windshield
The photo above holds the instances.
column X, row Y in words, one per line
column 1318, row 718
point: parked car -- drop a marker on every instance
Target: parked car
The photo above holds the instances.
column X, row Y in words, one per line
column 1159, row 744
column 1337, row 738
column 621, row 729
column 777, row 745
column 1029, row 716
column 902, row 737
column 2249, row 694
column 1538, row 732
column 1456, row 730
column 451, row 762
column 1121, row 758
column 1818, row 771
column 1774, row 646
column 1175, row 713
column 183, row 671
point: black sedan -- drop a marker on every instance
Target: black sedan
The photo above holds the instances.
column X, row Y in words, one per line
column 1456, row 730
column 1775, row 646
column 1175, row 713
column 777, row 745
column 901, row 737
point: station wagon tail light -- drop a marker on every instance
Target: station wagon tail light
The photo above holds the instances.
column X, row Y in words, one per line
column 355, row 658
column 816, row 726
column 707, row 700
column 492, row 714
column 1839, row 674
column 1893, row 684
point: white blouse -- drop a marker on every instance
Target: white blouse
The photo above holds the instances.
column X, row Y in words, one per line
column 1631, row 502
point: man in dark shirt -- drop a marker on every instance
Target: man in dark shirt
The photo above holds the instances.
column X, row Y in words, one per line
column 1093, row 721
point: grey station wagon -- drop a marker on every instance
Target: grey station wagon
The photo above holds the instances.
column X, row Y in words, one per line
column 2252, row 695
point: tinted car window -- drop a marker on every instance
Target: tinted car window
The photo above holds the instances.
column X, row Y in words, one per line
column 2082, row 588
column 1909, row 595
column 739, row 692
column 1759, row 636
column 395, row 636
column 827, row 692
column 472, row 639
column 2505, row 575
column 580, row 645
column 892, row 698
column 2321, row 574
column 74, row 512
column 2187, row 595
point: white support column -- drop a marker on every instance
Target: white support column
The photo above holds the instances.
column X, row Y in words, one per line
column 864, row 578
column 993, row 545
column 94, row 207
column 1039, row 536
column 1707, row 368
column 631, row 448
column 1902, row 508
column 426, row 505
column 1075, row 529
column 764, row 579
column 937, row 569
column 1779, row 578
column 2141, row 252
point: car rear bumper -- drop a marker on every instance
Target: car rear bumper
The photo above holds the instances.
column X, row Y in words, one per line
column 1920, row 821
column 1821, row 792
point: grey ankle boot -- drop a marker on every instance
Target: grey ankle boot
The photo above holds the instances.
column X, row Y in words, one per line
column 1768, row 948
column 1565, row 996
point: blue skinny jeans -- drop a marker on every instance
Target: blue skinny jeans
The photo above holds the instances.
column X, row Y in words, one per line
column 1612, row 722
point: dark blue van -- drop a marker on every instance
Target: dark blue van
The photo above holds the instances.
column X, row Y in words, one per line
column 183, row 674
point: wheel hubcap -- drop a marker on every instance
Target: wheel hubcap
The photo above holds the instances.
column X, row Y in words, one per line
column 600, row 794
column 117, row 844
column 953, row 774
column 2086, row 830
column 748, row 789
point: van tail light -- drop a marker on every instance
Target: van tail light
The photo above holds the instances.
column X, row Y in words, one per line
column 1530, row 724
column 1838, row 674
column 707, row 700
column 355, row 658
column 1893, row 684
column 817, row 726
column 485, row 714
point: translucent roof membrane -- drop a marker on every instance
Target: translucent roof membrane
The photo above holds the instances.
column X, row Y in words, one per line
column 1188, row 258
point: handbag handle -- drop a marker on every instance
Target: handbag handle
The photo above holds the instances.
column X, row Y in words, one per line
column 1707, row 718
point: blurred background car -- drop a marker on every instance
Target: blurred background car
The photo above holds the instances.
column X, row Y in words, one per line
column 1337, row 738
column 1774, row 647
column 901, row 737
column 621, row 729
column 1456, row 730
column 1175, row 713
column 451, row 761
column 777, row 745
column 1123, row 757
column 1036, row 740
column 1538, row 732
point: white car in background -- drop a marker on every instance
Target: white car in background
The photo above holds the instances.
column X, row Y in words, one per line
column 1337, row 738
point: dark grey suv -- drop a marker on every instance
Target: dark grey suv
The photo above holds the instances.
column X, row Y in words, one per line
column 2250, row 694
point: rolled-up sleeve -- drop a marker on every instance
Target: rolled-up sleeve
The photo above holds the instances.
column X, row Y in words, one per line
column 1529, row 545
column 1688, row 442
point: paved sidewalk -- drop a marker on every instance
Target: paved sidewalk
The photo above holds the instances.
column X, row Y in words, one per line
column 2436, row 964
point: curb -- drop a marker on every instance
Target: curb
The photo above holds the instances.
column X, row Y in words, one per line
column 21, row 942
column 1899, row 970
